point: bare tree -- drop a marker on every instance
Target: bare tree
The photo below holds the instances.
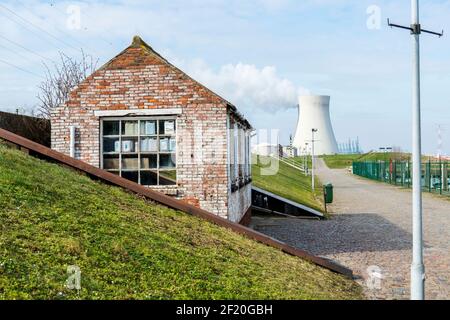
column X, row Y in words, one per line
column 61, row 79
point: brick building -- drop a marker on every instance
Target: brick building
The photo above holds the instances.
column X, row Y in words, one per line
column 141, row 118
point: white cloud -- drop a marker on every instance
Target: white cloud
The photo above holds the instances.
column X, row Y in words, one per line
column 247, row 86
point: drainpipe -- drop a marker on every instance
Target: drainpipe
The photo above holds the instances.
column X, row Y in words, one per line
column 72, row 141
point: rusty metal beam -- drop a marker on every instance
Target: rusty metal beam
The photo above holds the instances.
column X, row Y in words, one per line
column 168, row 201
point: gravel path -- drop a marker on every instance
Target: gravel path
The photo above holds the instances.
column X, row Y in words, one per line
column 370, row 232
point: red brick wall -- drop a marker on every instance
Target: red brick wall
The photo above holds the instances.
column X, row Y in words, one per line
column 140, row 79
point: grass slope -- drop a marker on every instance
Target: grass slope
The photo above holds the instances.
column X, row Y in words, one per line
column 340, row 161
column 127, row 248
column 287, row 182
column 379, row 156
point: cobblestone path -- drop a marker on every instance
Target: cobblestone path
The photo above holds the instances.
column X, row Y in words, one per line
column 370, row 231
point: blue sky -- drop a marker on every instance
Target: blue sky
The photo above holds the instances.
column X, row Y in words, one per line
column 259, row 54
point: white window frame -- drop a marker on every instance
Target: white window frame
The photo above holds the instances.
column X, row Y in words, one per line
column 138, row 152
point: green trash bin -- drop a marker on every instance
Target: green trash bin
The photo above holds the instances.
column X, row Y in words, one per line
column 328, row 192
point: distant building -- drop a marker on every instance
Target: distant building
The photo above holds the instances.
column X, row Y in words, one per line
column 290, row 152
column 350, row 147
column 266, row 149
column 145, row 120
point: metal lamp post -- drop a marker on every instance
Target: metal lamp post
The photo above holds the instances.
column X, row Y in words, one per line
column 417, row 266
column 305, row 159
column 312, row 159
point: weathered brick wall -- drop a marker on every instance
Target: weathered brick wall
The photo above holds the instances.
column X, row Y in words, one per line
column 138, row 78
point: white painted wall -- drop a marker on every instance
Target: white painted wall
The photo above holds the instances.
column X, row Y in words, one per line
column 239, row 202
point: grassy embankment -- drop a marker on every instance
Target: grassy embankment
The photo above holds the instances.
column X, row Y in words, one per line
column 341, row 161
column 127, row 248
column 287, row 182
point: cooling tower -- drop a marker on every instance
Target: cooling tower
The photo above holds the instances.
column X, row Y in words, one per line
column 314, row 112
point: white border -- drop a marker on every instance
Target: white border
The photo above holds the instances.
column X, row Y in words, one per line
column 138, row 112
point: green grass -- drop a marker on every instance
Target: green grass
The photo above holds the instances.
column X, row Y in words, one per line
column 340, row 161
column 287, row 182
column 52, row 217
column 378, row 156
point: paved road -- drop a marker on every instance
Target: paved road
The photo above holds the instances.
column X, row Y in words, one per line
column 370, row 232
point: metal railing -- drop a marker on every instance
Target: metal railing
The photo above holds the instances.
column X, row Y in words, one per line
column 435, row 174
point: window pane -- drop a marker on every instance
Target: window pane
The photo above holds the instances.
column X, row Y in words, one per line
column 172, row 145
column 167, row 127
column 167, row 161
column 167, row 144
column 130, row 162
column 129, row 128
column 149, row 144
column 131, row 175
column 164, row 144
column 111, row 162
column 168, row 178
column 110, row 128
column 149, row 161
column 139, row 153
column 111, row 145
column 129, row 144
column 149, row 178
column 148, row 127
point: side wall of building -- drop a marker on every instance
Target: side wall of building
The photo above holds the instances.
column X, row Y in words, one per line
column 239, row 169
column 240, row 202
column 137, row 80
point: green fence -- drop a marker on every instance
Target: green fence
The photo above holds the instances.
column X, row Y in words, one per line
column 435, row 175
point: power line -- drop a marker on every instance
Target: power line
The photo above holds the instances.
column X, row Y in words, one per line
column 25, row 48
column 29, row 30
column 48, row 34
column 39, row 28
column 67, row 35
column 53, row 5
column 21, row 69
column 15, row 52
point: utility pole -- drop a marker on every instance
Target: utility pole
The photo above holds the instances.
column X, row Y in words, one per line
column 358, row 146
column 291, row 147
column 439, row 156
column 305, row 158
column 417, row 266
column 313, row 164
column 439, row 148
